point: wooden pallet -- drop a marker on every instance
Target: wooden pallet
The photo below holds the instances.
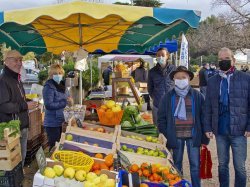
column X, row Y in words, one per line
column 10, row 151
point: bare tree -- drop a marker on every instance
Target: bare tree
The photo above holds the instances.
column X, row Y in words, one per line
column 239, row 10
column 214, row 33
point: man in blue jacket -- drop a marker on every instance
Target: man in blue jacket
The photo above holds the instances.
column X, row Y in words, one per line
column 159, row 82
column 227, row 116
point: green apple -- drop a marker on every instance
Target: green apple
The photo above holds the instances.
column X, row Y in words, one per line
column 163, row 156
column 91, row 176
column 151, row 153
column 104, row 177
column 69, row 137
column 69, row 173
column 49, row 172
column 154, row 140
column 140, row 149
column 124, row 147
column 130, row 150
column 110, row 183
column 140, row 152
column 97, row 180
column 156, row 153
column 80, row 175
column 88, row 184
column 145, row 151
column 149, row 138
column 58, row 170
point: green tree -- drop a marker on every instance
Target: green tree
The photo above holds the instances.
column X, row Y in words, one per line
column 147, row 3
column 86, row 83
column 48, row 58
column 121, row 3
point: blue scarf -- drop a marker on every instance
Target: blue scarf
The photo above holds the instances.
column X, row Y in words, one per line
column 224, row 90
column 180, row 111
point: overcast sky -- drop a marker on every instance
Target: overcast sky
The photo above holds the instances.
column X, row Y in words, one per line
column 202, row 5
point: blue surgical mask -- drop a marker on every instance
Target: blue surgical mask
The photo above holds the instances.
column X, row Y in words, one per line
column 57, row 78
column 161, row 60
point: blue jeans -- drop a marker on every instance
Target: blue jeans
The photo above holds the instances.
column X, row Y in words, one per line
column 239, row 150
column 193, row 157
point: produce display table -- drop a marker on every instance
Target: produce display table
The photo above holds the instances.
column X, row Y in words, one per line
column 133, row 151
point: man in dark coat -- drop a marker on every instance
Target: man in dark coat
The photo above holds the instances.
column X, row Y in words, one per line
column 227, row 116
column 159, row 82
column 203, row 76
column 13, row 103
column 106, row 75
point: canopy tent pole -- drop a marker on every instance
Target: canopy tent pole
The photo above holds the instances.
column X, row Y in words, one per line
column 91, row 73
column 80, row 44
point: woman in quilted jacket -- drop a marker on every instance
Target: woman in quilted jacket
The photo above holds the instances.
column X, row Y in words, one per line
column 55, row 100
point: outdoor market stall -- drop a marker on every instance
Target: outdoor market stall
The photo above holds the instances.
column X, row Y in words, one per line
column 79, row 25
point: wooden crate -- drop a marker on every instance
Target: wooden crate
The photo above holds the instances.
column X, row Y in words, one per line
column 76, row 146
column 139, row 158
column 121, row 138
column 10, row 151
column 111, row 134
column 35, row 128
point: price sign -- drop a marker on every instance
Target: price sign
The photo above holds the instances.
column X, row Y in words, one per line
column 41, row 160
column 124, row 160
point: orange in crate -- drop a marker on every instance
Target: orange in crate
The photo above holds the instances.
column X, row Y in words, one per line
column 109, row 118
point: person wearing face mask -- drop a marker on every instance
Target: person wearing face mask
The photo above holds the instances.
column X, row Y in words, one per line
column 227, row 117
column 180, row 120
column 159, row 82
column 55, row 100
column 212, row 70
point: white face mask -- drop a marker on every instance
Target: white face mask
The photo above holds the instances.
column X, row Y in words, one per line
column 161, row 60
column 182, row 84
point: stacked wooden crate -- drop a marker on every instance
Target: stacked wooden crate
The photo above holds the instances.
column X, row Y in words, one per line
column 10, row 151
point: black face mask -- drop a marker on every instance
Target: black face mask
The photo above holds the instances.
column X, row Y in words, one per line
column 225, row 65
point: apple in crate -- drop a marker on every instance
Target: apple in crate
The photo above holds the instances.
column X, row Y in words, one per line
column 49, row 172
column 80, row 175
column 69, row 173
column 58, row 170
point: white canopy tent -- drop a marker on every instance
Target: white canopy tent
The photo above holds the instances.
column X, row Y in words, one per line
column 110, row 58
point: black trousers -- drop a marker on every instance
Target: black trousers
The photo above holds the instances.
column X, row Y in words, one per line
column 54, row 135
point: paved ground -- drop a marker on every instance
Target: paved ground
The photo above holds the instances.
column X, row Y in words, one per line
column 214, row 181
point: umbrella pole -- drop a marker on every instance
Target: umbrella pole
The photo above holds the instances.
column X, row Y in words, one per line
column 80, row 91
column 91, row 73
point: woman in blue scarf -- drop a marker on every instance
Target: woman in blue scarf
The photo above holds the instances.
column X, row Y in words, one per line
column 180, row 119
